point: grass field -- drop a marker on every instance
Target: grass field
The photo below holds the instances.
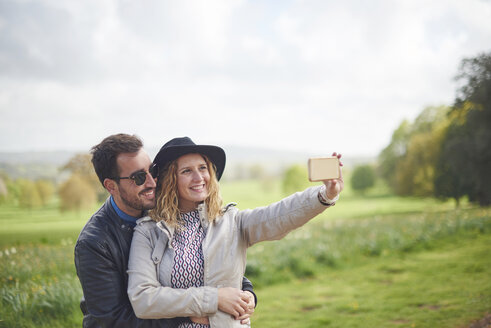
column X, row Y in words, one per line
column 371, row 261
column 446, row 287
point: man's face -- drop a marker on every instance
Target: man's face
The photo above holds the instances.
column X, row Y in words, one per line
column 129, row 197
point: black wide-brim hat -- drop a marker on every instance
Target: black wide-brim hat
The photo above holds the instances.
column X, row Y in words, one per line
column 177, row 147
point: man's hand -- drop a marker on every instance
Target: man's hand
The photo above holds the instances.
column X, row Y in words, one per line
column 246, row 296
column 249, row 298
column 233, row 301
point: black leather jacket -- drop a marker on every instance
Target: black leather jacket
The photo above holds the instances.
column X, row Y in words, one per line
column 101, row 259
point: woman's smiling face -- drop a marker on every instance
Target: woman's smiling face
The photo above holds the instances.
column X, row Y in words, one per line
column 193, row 179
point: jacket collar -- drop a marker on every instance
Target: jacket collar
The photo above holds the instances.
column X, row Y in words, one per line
column 203, row 215
column 113, row 217
column 162, row 225
column 131, row 220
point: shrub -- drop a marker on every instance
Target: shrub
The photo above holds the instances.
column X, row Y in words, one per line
column 363, row 178
column 295, row 179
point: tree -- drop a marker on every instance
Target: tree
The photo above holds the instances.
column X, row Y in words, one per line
column 239, row 171
column 3, row 191
column 46, row 190
column 295, row 179
column 415, row 173
column 8, row 190
column 363, row 178
column 393, row 153
column 451, row 180
column 257, row 172
column 427, row 120
column 476, row 74
column 466, row 157
column 76, row 194
column 408, row 163
column 81, row 165
column 28, row 194
column 13, row 192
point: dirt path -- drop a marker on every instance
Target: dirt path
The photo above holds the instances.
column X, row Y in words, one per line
column 483, row 323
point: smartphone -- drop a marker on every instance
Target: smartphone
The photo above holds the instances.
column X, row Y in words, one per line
column 323, row 168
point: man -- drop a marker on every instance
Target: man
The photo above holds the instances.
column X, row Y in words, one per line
column 102, row 248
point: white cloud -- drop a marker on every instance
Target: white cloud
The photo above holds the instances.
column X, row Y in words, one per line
column 303, row 75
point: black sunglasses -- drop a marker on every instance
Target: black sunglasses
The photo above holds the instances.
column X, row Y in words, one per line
column 141, row 176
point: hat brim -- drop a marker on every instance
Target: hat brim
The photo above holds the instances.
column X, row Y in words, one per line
column 214, row 153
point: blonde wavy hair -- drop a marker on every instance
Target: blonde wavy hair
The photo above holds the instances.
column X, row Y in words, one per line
column 167, row 202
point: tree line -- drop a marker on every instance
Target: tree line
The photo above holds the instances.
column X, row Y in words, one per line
column 79, row 191
column 446, row 151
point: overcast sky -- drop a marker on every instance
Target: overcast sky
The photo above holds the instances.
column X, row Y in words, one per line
column 313, row 76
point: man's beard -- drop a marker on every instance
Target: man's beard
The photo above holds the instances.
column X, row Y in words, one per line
column 135, row 202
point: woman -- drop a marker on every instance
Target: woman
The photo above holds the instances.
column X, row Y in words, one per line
column 189, row 258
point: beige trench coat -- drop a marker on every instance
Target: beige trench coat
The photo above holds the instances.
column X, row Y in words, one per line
column 224, row 249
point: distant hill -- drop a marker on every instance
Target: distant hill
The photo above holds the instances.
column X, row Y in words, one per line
column 36, row 165
column 49, row 157
column 273, row 162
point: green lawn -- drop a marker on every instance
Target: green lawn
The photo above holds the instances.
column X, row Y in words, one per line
column 370, row 261
column 40, row 226
column 49, row 226
column 448, row 286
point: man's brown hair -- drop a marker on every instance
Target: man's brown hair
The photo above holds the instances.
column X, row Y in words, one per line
column 105, row 154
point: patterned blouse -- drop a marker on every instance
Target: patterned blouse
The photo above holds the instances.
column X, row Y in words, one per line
column 188, row 258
